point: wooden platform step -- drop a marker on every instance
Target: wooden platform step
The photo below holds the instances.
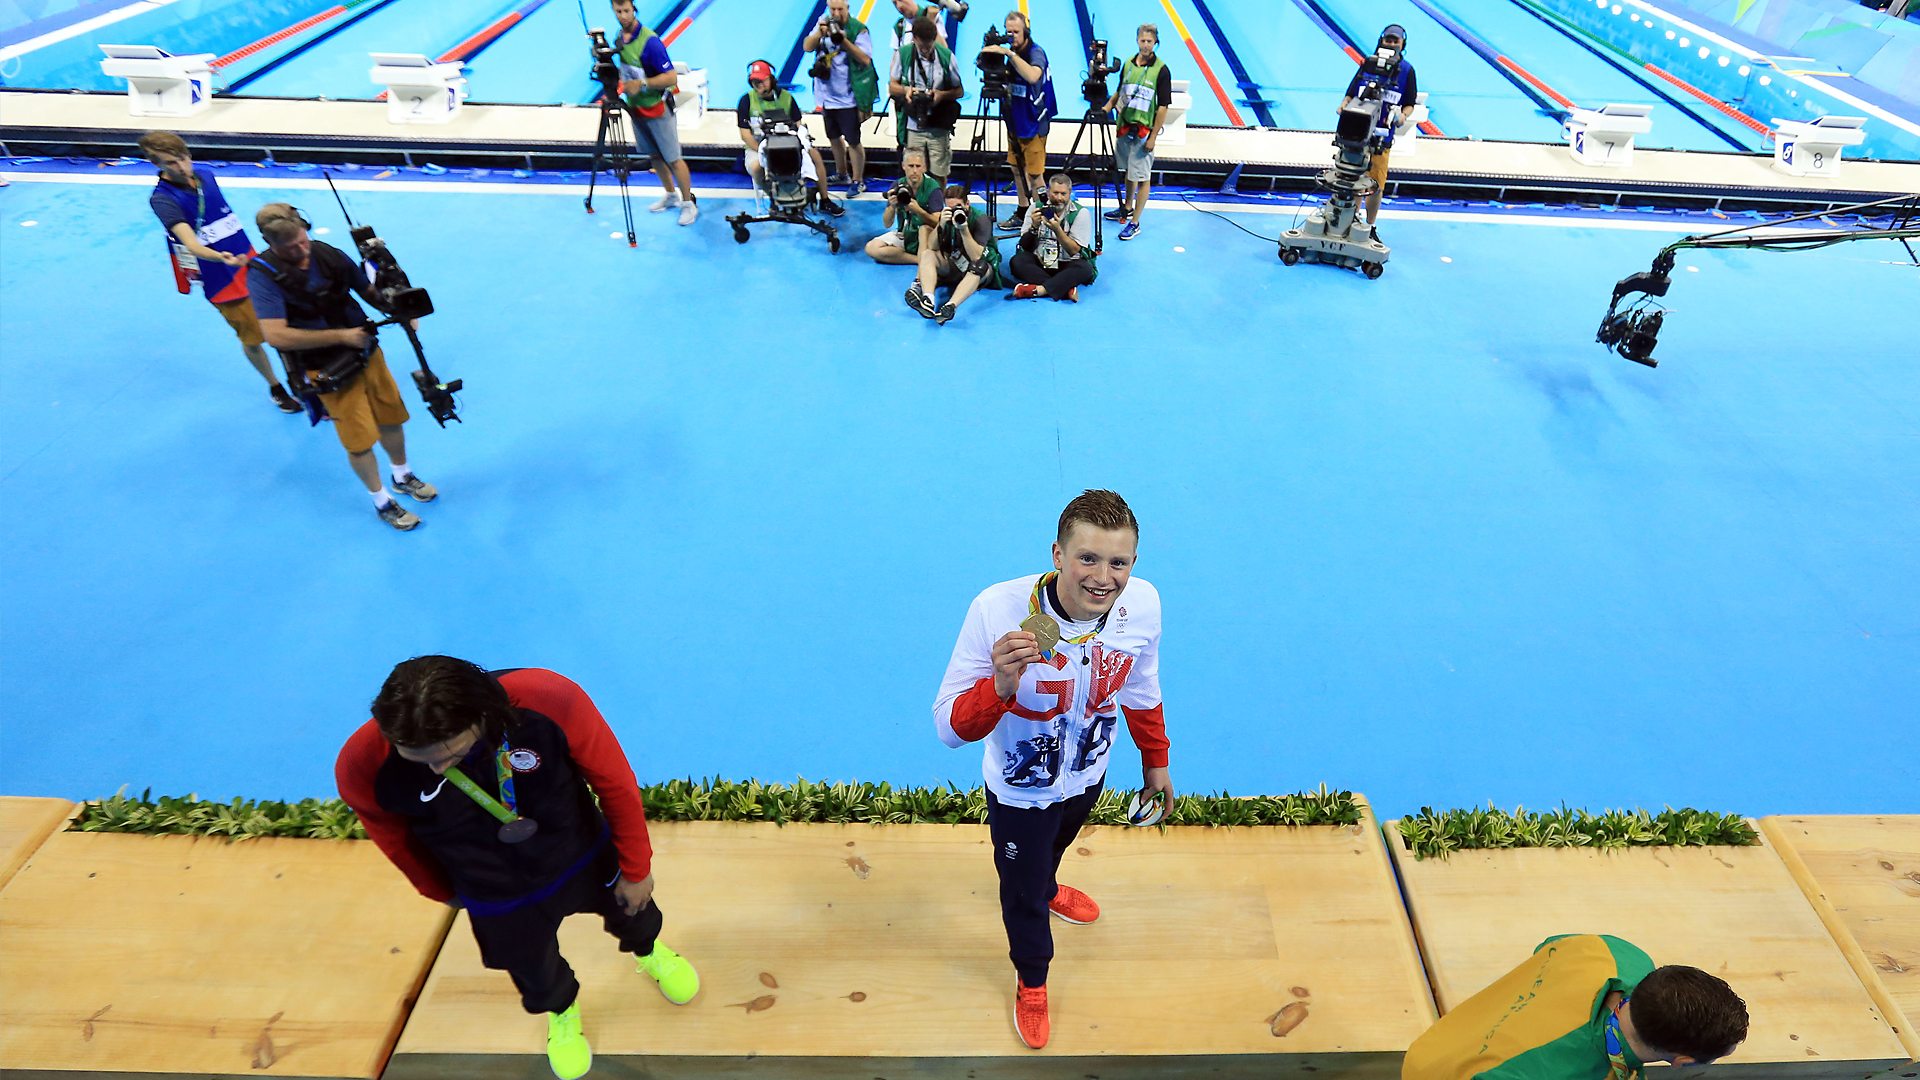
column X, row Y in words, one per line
column 877, row 951
column 25, row 824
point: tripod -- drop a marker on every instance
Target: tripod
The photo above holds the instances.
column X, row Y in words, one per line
column 989, row 118
column 614, row 146
column 1099, row 151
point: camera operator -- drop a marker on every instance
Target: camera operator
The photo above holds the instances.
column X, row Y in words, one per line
column 926, row 90
column 300, row 294
column 190, row 206
column 1056, row 247
column 910, row 204
column 1029, row 112
column 1389, row 69
column 767, row 102
column 956, row 251
column 647, row 80
column 847, row 92
column 1145, row 93
column 909, row 10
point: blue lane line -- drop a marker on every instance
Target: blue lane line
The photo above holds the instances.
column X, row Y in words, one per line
column 1086, row 26
column 1251, row 88
column 1328, row 25
column 1486, row 52
column 250, row 76
column 1581, row 40
column 792, row 65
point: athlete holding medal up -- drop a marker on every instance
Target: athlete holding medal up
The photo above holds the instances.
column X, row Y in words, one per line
column 1046, row 698
column 481, row 787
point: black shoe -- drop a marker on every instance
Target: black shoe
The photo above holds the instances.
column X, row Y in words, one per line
column 285, row 400
column 946, row 313
column 832, row 209
column 921, row 302
column 398, row 516
column 1012, row 223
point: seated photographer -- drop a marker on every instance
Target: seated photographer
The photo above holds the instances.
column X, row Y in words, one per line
column 845, row 88
column 955, row 251
column 300, row 291
column 926, row 90
column 1389, row 69
column 910, row 204
column 1056, row 247
column 767, row 102
column 1029, row 113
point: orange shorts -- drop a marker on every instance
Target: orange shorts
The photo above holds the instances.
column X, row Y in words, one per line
column 246, row 325
column 1377, row 168
column 367, row 404
column 1028, row 154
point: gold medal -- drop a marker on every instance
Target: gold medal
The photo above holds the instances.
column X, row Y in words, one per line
column 1044, row 630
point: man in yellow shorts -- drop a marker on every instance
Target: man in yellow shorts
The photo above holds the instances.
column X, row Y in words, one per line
column 300, row 292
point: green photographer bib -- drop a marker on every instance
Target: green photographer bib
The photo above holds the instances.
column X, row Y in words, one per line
column 1139, row 88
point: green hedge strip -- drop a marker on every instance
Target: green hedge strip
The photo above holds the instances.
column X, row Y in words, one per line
column 710, row 800
column 1430, row 833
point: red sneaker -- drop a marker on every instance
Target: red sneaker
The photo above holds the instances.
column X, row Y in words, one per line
column 1025, row 291
column 1073, row 294
column 1030, row 1014
column 1073, row 905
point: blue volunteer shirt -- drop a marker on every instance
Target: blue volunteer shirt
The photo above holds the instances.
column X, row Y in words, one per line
column 1030, row 107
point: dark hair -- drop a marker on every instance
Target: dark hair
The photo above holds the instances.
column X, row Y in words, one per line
column 1683, row 1010
column 924, row 30
column 955, row 191
column 163, row 142
column 1101, row 509
column 430, row 699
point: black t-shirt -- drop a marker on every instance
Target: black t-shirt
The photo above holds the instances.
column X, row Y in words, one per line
column 1162, row 87
column 768, row 111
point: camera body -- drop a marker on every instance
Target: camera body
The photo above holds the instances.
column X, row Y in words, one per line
column 606, row 70
column 398, row 297
column 920, row 107
column 330, row 370
column 1094, row 88
column 832, row 36
column 1633, row 334
column 900, row 194
column 996, row 71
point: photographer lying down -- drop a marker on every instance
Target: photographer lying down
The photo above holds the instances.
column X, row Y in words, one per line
column 956, row 251
column 910, row 204
column 767, row 102
column 1056, row 247
column 332, row 357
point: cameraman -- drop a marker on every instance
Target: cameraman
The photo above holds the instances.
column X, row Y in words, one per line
column 926, row 90
column 909, row 206
column 956, row 251
column 768, row 102
column 1145, row 93
column 847, row 94
column 300, row 294
column 1029, row 112
column 1056, row 247
column 1388, row 69
column 647, row 79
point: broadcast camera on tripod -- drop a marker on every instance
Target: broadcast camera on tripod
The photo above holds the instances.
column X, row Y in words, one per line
column 1329, row 234
column 613, row 146
column 1093, row 90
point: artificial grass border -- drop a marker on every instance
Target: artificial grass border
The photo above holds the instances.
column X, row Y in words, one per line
column 1433, row 833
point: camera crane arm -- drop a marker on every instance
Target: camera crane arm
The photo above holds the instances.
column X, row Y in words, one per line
column 1904, row 226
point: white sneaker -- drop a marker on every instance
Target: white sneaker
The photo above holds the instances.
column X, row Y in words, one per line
column 689, row 213
column 667, row 202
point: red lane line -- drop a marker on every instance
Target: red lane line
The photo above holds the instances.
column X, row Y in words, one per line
column 1725, row 108
column 1233, row 114
column 1537, row 84
column 274, row 39
column 676, row 31
column 1353, row 54
column 474, row 43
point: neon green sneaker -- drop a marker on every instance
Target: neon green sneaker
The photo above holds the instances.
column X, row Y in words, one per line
column 678, row 981
column 567, row 1049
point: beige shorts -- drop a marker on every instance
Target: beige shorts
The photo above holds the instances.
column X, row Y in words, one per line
column 246, row 325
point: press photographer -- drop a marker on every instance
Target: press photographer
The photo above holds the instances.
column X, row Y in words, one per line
column 1029, row 109
column 767, row 102
column 957, row 252
column 926, row 90
column 1389, row 74
column 909, row 10
column 845, row 88
column 1056, row 247
column 911, row 203
column 331, row 353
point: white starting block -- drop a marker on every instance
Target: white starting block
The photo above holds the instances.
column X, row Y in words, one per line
column 1406, row 137
column 419, row 91
column 689, row 96
column 1813, row 148
column 1604, row 136
column 1175, row 132
column 158, row 82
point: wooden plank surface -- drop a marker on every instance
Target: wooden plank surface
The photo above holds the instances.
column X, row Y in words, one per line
column 24, row 825
column 167, row 954
column 820, row 946
column 1862, row 874
column 1735, row 912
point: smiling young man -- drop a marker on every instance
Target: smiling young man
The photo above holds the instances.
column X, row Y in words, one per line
column 506, row 793
column 1043, row 668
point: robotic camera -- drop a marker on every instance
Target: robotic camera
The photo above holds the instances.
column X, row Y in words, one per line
column 787, row 195
column 1635, row 331
column 996, row 71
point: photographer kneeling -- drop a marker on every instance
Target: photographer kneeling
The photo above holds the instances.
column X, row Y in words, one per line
column 328, row 346
column 768, row 102
column 956, row 251
column 909, row 206
column 1056, row 247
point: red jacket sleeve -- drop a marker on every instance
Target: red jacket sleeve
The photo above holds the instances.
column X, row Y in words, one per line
column 598, row 756
column 353, row 773
column 1149, row 730
column 978, row 711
